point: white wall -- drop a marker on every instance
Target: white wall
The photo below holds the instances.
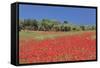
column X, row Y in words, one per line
column 5, row 34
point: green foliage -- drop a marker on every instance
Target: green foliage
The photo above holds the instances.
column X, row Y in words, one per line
column 51, row 25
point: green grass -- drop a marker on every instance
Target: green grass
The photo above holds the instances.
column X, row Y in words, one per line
column 37, row 35
column 41, row 35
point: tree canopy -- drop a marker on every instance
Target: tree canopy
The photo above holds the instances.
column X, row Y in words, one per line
column 51, row 25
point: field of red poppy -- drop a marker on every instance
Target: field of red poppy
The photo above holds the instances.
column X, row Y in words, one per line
column 41, row 46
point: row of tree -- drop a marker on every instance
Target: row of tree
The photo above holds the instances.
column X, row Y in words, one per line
column 51, row 25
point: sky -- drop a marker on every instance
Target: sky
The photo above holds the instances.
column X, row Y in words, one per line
column 74, row 15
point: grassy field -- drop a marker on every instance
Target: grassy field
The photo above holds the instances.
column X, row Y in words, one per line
column 41, row 46
column 41, row 35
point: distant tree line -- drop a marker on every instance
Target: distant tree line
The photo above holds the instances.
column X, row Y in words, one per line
column 51, row 25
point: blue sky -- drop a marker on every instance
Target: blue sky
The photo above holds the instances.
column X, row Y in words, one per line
column 79, row 16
